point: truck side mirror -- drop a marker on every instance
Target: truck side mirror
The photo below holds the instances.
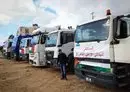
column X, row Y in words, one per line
column 115, row 32
column 115, row 41
column 43, row 39
column 122, row 30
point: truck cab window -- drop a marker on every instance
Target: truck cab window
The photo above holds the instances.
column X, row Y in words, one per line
column 70, row 37
column 35, row 40
column 23, row 43
column 14, row 42
column 52, row 40
column 123, row 29
column 94, row 31
column 67, row 37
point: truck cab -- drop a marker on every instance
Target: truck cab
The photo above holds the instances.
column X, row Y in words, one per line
column 101, row 51
column 59, row 39
column 20, row 46
column 24, row 48
column 37, row 48
column 15, row 40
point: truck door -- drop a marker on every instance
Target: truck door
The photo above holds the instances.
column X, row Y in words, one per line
column 42, row 49
column 122, row 48
column 27, row 45
column 67, row 42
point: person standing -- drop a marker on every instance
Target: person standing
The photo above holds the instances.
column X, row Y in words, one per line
column 62, row 59
column 71, row 61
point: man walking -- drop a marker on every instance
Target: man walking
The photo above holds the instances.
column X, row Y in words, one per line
column 62, row 59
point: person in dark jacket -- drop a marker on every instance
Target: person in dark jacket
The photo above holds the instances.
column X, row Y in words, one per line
column 71, row 61
column 62, row 59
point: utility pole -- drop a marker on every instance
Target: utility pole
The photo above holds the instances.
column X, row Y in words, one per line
column 92, row 14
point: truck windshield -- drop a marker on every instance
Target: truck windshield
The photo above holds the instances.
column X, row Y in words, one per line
column 51, row 40
column 23, row 43
column 94, row 31
column 35, row 40
column 14, row 41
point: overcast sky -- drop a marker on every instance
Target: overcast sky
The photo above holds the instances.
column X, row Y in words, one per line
column 16, row 13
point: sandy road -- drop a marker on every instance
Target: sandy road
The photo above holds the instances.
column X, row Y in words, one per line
column 22, row 77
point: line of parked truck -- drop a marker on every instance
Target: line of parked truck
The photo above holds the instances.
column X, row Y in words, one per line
column 101, row 49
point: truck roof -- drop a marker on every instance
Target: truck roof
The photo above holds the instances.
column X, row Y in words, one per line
column 110, row 16
column 94, row 20
column 44, row 29
column 63, row 29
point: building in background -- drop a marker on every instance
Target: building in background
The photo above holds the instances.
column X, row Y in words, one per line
column 27, row 30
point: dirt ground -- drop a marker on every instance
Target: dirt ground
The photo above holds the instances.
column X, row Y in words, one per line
column 22, row 77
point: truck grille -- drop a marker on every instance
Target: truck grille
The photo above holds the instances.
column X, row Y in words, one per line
column 49, row 55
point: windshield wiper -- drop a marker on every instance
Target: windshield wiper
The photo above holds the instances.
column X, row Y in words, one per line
column 98, row 40
column 50, row 45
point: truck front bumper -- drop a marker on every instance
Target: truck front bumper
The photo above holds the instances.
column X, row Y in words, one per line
column 97, row 78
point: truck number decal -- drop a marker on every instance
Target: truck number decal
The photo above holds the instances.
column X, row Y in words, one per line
column 97, row 54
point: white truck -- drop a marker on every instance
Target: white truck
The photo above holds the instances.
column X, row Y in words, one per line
column 24, row 48
column 37, row 47
column 59, row 39
column 101, row 51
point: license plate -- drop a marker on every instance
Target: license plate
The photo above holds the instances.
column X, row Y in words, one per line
column 88, row 79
